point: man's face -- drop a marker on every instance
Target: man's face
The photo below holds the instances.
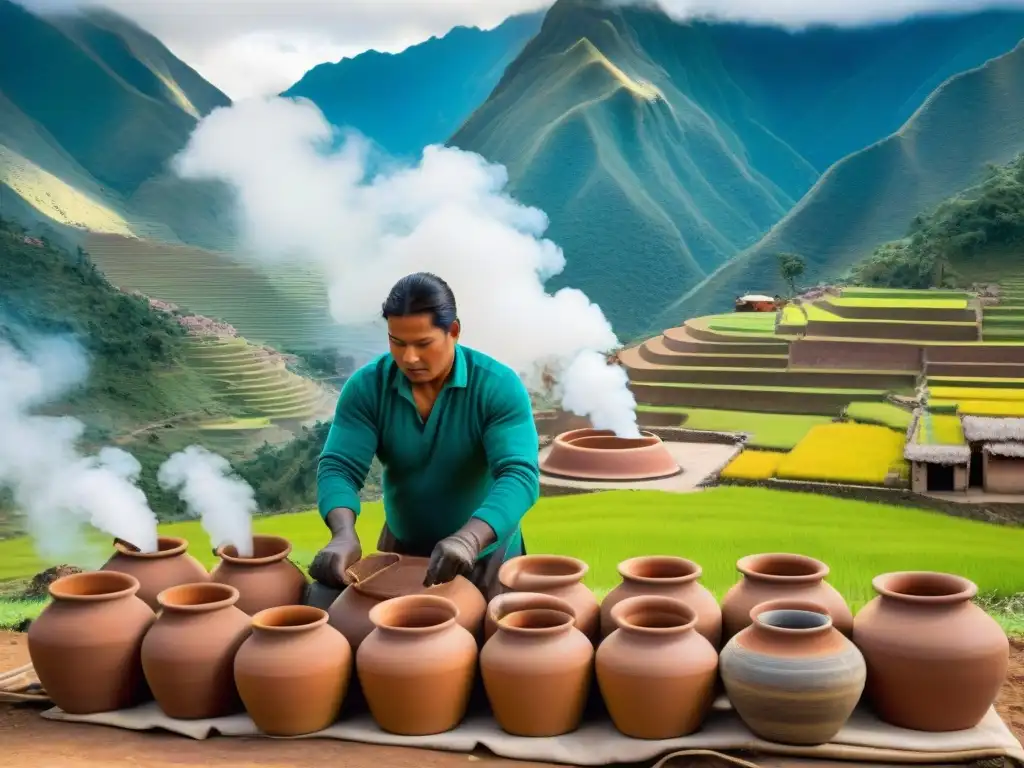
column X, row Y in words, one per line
column 422, row 351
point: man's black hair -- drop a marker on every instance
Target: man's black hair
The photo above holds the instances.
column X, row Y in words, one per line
column 419, row 293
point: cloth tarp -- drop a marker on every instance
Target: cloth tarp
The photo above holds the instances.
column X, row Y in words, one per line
column 864, row 738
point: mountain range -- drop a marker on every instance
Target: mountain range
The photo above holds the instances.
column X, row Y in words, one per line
column 675, row 160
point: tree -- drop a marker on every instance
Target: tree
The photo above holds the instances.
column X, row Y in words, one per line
column 791, row 267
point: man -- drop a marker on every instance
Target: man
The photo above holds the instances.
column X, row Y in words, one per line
column 454, row 431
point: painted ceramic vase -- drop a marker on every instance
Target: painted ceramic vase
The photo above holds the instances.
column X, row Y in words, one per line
column 559, row 576
column 189, row 654
column 656, row 672
column 791, row 676
column 86, row 645
column 265, row 580
column 385, row 576
column 537, row 671
column 936, row 661
column 417, row 667
column 775, row 576
column 510, row 602
column 169, row 566
column 293, row 671
column 669, row 577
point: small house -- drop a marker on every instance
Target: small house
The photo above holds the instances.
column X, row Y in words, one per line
column 939, row 457
column 997, row 453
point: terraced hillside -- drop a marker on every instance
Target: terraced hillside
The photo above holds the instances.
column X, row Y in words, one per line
column 286, row 308
column 1005, row 321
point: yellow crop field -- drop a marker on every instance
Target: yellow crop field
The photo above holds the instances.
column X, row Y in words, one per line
column 848, row 453
column 753, row 465
column 975, row 393
column 997, row 408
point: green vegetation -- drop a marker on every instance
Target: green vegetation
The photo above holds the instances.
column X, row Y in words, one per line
column 940, row 429
column 715, row 528
column 873, row 195
column 791, row 269
column 774, row 431
column 434, row 85
column 743, row 322
column 883, row 414
column 901, row 295
column 898, row 303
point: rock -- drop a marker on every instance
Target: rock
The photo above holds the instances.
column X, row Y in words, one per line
column 38, row 587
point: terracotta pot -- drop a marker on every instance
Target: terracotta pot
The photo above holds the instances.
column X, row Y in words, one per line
column 265, row 580
column 169, row 566
column 189, row 654
column 657, row 674
column 385, row 576
column 293, row 671
column 791, row 676
column 86, row 644
column 936, row 661
column 537, row 670
column 559, row 576
column 775, row 576
column 599, row 454
column 417, row 667
column 669, row 577
column 510, row 602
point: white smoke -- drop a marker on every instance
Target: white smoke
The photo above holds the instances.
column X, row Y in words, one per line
column 52, row 483
column 222, row 501
column 308, row 198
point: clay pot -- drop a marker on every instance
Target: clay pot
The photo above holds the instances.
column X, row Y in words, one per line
column 86, row 644
column 599, row 454
column 169, row 566
column 385, row 576
column 657, row 674
column 417, row 667
column 265, row 580
column 189, row 654
column 669, row 577
column 791, row 676
column 293, row 671
column 537, row 670
column 775, row 576
column 559, row 576
column 510, row 602
column 935, row 659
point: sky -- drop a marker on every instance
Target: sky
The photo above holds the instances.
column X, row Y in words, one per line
column 251, row 48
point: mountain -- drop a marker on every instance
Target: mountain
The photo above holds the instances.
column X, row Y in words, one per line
column 660, row 150
column 91, row 109
column 408, row 100
column 974, row 119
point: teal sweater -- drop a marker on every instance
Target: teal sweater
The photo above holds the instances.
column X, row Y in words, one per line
column 474, row 456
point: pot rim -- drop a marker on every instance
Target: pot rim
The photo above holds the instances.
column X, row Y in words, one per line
column 264, row 620
column 126, row 586
column 639, row 604
column 626, row 566
column 228, row 596
column 380, row 613
column 795, row 605
column 960, row 589
column 646, row 439
column 551, row 603
column 561, row 622
column 235, row 559
column 516, row 568
column 178, row 547
column 749, row 567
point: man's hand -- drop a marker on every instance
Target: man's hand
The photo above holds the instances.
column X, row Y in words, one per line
column 341, row 553
column 457, row 554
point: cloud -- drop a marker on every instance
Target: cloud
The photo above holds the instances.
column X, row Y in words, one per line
column 310, row 199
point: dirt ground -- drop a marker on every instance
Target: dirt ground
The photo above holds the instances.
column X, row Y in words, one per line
column 28, row 740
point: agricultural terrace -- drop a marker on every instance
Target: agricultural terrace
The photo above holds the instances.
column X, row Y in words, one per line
column 863, row 357
column 714, row 528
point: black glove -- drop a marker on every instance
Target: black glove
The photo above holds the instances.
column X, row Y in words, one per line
column 457, row 554
column 341, row 553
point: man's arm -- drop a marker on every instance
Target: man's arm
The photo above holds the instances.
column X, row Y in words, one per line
column 511, row 443
column 350, row 446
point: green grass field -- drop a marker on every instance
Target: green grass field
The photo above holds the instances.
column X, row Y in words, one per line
column 898, row 303
column 858, row 540
column 884, row 414
column 777, row 431
column 743, row 322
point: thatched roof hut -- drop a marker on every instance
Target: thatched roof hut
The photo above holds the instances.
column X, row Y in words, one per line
column 926, row 453
column 991, row 429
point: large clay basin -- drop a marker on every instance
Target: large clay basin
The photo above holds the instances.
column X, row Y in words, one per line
column 599, row 454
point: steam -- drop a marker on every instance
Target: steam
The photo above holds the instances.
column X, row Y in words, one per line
column 52, row 483
column 222, row 501
column 311, row 197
